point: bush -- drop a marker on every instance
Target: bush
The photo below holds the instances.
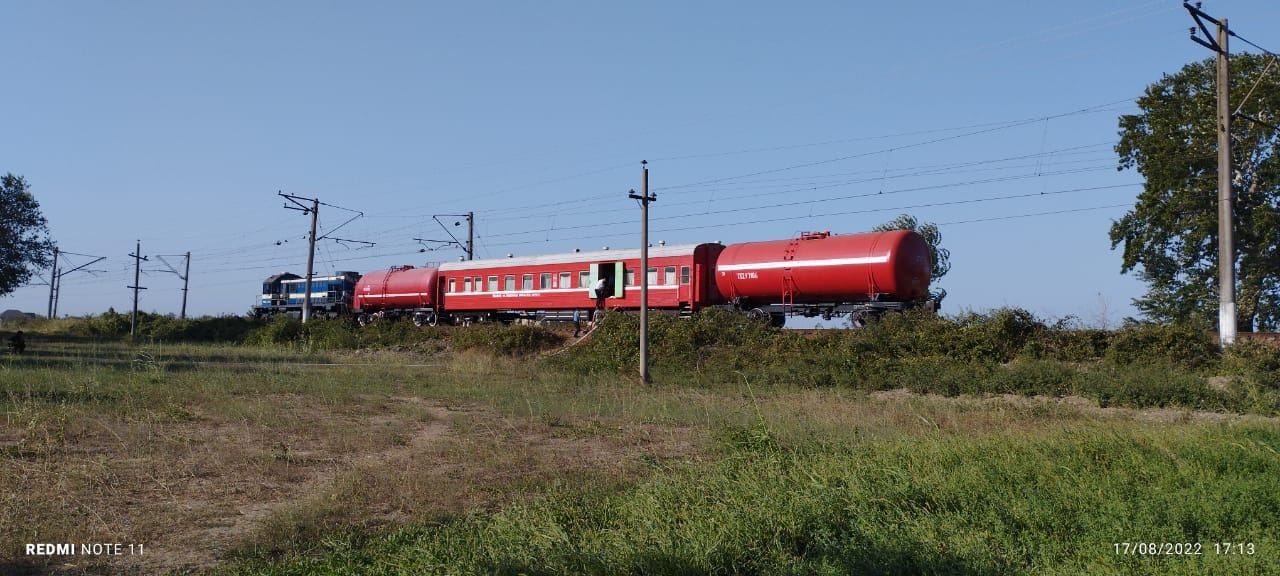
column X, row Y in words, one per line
column 330, row 334
column 996, row 336
column 1145, row 384
column 280, row 330
column 1259, row 362
column 934, row 374
column 1071, row 345
column 514, row 340
column 109, row 324
column 1030, row 377
column 1182, row 345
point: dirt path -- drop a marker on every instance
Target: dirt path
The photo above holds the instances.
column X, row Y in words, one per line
column 233, row 522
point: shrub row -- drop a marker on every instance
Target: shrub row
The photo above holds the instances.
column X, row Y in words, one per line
column 1002, row 352
column 112, row 324
column 343, row 334
column 1000, row 336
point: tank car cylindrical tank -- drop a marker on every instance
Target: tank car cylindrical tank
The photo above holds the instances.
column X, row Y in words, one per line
column 821, row 268
column 399, row 288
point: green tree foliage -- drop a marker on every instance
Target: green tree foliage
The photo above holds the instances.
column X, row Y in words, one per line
column 1171, row 236
column 940, row 256
column 24, row 235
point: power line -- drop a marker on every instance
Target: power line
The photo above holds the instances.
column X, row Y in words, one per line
column 803, row 202
column 789, row 183
column 780, row 189
column 987, row 128
column 1034, row 214
column 896, row 148
column 852, row 212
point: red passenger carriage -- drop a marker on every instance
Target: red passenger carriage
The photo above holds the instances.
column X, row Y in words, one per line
column 541, row 287
column 553, row 286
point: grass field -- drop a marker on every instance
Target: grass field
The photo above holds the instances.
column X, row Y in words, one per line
column 270, row 460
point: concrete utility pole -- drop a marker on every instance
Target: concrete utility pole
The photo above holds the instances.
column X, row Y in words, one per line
column 56, row 274
column 645, row 198
column 314, row 211
column 471, row 235
column 311, row 261
column 183, row 275
column 1226, row 240
column 137, row 270
column 186, row 275
column 53, row 280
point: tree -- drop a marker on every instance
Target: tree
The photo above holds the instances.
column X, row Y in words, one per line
column 939, row 256
column 24, row 234
column 1170, row 236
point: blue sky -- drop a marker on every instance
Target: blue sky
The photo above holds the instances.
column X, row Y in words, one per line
column 176, row 123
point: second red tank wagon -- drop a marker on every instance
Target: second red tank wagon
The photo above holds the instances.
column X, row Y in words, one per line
column 821, row 274
column 553, row 286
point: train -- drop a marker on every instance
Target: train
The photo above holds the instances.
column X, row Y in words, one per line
column 816, row 274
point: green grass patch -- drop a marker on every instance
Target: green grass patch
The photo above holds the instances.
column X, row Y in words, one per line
column 1050, row 503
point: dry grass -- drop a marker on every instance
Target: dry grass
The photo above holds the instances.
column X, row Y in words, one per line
column 196, row 464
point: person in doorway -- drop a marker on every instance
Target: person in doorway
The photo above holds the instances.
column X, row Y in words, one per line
column 18, row 342
column 601, row 290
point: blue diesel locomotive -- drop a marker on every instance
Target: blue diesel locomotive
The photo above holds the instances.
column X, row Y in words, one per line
column 330, row 295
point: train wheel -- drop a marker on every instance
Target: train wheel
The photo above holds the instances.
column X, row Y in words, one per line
column 364, row 320
column 421, row 319
column 758, row 314
column 777, row 320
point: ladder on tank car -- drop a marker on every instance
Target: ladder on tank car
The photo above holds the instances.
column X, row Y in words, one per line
column 789, row 284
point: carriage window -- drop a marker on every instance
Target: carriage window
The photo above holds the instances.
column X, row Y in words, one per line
column 669, row 276
column 493, row 283
column 565, row 279
column 684, row 274
column 478, row 284
column 652, row 277
column 584, row 278
column 628, row 278
column 511, row 283
column 544, row 280
column 466, row 284
column 453, row 285
column 526, row 282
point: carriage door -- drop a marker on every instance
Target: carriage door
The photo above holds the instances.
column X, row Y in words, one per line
column 612, row 273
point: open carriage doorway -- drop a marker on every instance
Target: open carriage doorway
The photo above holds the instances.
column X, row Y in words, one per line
column 611, row 272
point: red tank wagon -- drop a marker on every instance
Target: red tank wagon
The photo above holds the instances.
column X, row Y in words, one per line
column 821, row 274
column 399, row 291
column 551, row 287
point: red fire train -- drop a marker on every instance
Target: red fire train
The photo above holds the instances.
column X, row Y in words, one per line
column 817, row 274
